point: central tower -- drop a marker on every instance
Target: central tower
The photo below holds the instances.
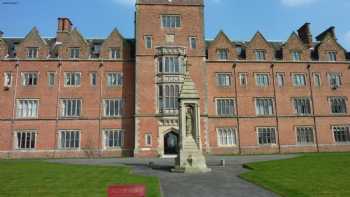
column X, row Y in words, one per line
column 168, row 34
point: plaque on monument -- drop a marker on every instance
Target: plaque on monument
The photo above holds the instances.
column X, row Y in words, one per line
column 127, row 191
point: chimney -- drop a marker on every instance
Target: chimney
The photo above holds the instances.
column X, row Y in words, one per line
column 305, row 35
column 64, row 25
column 330, row 31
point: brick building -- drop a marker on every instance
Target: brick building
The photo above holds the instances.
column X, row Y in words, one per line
column 70, row 96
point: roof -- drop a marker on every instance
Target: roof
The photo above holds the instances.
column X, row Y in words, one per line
column 170, row 2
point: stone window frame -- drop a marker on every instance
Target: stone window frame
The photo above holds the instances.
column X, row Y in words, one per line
column 316, row 75
column 74, row 53
column 117, row 80
column 234, row 132
column 346, row 142
column 177, row 21
column 117, row 55
column 8, row 79
column 76, row 146
column 77, row 112
column 260, row 54
column 117, row 144
column 332, row 55
column 282, row 83
column 217, row 79
column 16, row 143
column 294, row 74
column 266, row 74
column 171, row 98
column 233, row 99
column 294, row 57
column 148, row 39
column 32, row 76
column 49, row 75
column 74, row 83
column 148, row 140
column 93, row 78
column 30, row 54
column 300, row 143
column 275, row 138
column 295, row 100
column 243, row 75
column 117, row 100
column 36, row 113
column 272, row 105
column 222, row 54
column 345, row 100
column 338, row 78
column 192, row 40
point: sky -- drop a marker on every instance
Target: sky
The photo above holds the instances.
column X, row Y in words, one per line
column 239, row 19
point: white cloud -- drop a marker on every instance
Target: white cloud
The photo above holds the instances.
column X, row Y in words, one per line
column 125, row 2
column 296, row 3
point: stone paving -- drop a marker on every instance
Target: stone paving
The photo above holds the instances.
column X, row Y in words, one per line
column 221, row 182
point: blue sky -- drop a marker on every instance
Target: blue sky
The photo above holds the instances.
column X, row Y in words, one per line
column 240, row 19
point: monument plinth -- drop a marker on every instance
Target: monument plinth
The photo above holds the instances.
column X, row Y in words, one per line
column 190, row 158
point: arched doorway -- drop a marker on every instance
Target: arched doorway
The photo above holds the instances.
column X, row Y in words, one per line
column 171, row 143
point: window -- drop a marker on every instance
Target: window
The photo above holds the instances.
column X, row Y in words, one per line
column 51, row 78
column 305, row 135
column 168, row 96
column 193, row 42
column 29, row 79
column 96, row 50
column 264, row 106
column 170, row 65
column 114, row 53
column 69, row 139
column 74, row 53
column 148, row 139
column 334, row 80
column 223, row 79
column 112, row 107
column 266, row 136
column 171, row 21
column 341, row 134
column 338, row 105
column 32, row 52
column 332, row 56
column 113, row 138
column 70, row 108
column 262, row 80
column 296, row 55
column 72, row 79
column 222, row 54
column 317, row 80
column 114, row 79
column 27, row 108
column 25, row 140
column 302, row 106
column 243, row 79
column 299, row 80
column 226, row 136
column 7, row 79
column 225, row 107
column 260, row 55
column 93, row 79
column 148, row 42
column 280, row 79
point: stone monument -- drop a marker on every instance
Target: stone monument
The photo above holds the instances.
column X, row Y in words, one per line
column 190, row 158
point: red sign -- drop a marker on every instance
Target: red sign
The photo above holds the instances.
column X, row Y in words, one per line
column 126, row 191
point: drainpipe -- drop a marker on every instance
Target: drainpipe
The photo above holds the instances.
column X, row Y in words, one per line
column 14, row 105
column 313, row 107
column 59, row 66
column 99, row 146
column 276, row 109
column 236, row 109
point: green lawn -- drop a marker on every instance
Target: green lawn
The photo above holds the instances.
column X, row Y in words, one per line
column 321, row 175
column 38, row 178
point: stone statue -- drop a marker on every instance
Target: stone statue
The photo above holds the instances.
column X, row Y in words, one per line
column 189, row 121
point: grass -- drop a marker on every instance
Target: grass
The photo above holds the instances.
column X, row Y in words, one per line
column 321, row 175
column 24, row 178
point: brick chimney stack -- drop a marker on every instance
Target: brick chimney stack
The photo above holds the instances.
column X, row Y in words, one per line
column 305, row 35
column 64, row 25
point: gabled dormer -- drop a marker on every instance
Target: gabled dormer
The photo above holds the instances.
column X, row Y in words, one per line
column 3, row 47
column 72, row 45
column 33, row 46
column 259, row 49
column 222, row 48
column 329, row 49
column 115, row 47
column 295, row 49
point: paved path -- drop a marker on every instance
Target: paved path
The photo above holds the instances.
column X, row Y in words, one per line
column 221, row 182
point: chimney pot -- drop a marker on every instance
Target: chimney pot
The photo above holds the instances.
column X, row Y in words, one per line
column 64, row 24
column 305, row 35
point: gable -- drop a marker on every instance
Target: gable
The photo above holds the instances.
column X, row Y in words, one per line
column 115, row 40
column 258, row 42
column 222, row 41
column 33, row 39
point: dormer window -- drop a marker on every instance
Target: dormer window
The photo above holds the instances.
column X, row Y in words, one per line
column 32, row 52
column 332, row 56
column 171, row 21
column 296, row 56
column 114, row 53
column 260, row 55
column 222, row 54
column 96, row 51
column 74, row 53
